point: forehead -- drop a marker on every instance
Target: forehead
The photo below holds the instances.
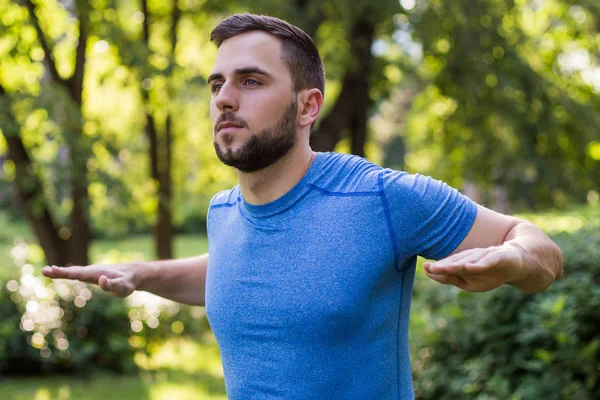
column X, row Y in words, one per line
column 250, row 49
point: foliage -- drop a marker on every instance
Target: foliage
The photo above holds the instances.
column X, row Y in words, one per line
column 496, row 93
column 504, row 97
column 67, row 326
column 505, row 344
column 566, row 221
column 44, row 331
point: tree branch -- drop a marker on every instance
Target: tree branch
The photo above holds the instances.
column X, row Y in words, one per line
column 151, row 130
column 76, row 81
column 176, row 16
column 146, row 23
column 43, row 42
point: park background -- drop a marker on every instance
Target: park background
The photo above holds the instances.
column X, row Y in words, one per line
column 106, row 156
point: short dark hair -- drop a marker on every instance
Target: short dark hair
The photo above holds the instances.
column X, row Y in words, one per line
column 299, row 50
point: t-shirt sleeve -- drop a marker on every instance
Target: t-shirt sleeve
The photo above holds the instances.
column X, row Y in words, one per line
column 428, row 217
column 218, row 199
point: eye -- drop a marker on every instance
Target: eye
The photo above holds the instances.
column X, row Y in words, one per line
column 215, row 87
column 251, row 82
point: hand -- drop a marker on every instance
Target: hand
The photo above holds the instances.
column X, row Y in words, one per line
column 116, row 279
column 479, row 269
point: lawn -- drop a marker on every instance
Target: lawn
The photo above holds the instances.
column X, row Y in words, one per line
column 181, row 369
column 138, row 247
column 570, row 220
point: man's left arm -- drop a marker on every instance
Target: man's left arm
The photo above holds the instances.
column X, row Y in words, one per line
column 500, row 249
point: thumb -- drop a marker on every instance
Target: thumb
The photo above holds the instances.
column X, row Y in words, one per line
column 116, row 286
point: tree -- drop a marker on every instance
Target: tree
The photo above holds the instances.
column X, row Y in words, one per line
column 161, row 144
column 70, row 243
column 502, row 115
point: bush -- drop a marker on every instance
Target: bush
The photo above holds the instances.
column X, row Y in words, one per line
column 67, row 326
column 50, row 333
column 507, row 345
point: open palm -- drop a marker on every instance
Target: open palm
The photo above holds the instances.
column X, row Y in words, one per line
column 115, row 279
column 479, row 269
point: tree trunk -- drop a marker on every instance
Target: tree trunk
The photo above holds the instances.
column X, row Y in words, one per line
column 311, row 16
column 160, row 171
column 78, row 238
column 350, row 112
column 362, row 39
column 30, row 191
column 161, row 147
column 164, row 228
column 79, row 235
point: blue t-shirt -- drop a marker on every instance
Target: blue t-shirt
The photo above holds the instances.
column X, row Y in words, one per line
column 309, row 295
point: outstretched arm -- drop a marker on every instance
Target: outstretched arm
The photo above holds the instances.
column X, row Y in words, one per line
column 181, row 280
column 500, row 249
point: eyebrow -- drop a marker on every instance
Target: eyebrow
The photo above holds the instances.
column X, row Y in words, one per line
column 239, row 71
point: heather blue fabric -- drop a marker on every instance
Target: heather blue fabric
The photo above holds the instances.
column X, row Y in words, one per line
column 309, row 296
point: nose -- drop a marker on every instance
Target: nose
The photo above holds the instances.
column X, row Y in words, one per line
column 227, row 99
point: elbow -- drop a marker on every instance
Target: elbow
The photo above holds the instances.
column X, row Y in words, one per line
column 549, row 269
column 558, row 263
column 554, row 267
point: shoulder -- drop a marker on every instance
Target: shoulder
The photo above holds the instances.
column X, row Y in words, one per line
column 415, row 187
column 225, row 198
column 346, row 173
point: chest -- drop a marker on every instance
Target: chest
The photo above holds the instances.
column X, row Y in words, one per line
column 310, row 272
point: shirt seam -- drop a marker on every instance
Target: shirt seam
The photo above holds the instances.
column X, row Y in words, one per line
column 401, row 306
column 343, row 194
column 222, row 205
column 390, row 225
column 283, row 207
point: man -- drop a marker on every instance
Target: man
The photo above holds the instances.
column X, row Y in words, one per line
column 312, row 255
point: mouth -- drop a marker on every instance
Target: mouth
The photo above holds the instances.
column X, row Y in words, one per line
column 228, row 127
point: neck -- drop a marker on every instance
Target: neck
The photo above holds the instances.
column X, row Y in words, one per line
column 269, row 184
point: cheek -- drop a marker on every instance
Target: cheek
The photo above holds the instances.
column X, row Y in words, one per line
column 264, row 114
column 214, row 113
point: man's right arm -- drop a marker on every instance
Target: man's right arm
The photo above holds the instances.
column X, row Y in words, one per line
column 181, row 280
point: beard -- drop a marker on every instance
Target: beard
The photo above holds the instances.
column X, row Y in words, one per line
column 263, row 148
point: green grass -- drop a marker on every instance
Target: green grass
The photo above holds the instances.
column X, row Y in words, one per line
column 181, row 369
column 139, row 247
column 571, row 220
column 161, row 385
column 143, row 245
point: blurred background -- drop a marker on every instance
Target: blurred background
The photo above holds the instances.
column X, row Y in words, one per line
column 106, row 156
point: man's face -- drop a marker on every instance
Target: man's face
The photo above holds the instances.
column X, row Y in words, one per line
column 253, row 107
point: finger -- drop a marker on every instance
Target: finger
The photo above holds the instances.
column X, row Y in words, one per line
column 469, row 268
column 120, row 287
column 484, row 264
column 456, row 259
column 447, row 279
column 84, row 274
column 477, row 254
column 457, row 265
column 453, row 258
column 104, row 283
column 59, row 272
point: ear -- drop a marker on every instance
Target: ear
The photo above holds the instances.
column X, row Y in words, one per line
column 310, row 102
